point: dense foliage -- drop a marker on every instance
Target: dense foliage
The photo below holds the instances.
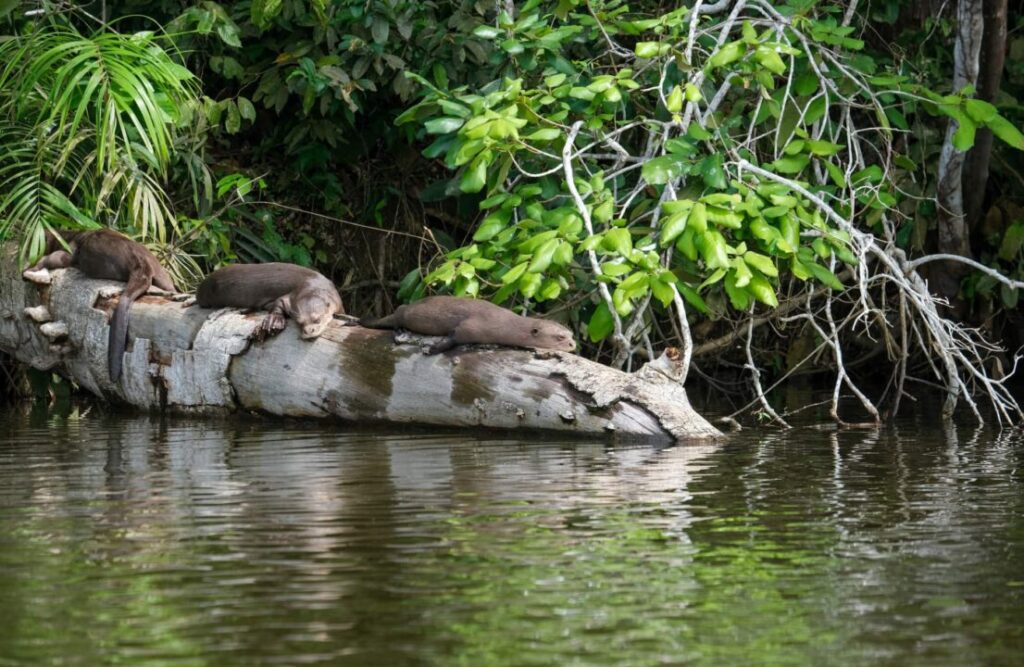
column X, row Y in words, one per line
column 639, row 169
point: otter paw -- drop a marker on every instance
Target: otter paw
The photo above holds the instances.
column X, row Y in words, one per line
column 39, row 277
column 109, row 291
column 272, row 325
column 443, row 345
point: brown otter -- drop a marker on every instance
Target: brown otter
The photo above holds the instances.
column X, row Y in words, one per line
column 286, row 290
column 108, row 255
column 464, row 321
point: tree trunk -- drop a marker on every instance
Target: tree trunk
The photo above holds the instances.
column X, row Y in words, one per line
column 990, row 75
column 197, row 360
column 952, row 227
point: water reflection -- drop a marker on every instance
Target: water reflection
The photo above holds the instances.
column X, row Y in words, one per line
column 127, row 539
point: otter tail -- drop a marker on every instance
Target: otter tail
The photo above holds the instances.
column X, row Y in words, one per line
column 138, row 282
column 389, row 322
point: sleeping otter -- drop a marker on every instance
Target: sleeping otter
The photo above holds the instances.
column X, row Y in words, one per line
column 286, row 290
column 466, row 321
column 108, row 255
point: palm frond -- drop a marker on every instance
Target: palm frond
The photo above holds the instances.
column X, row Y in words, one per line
column 88, row 126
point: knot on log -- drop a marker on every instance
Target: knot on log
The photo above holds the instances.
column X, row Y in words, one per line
column 40, row 277
column 55, row 331
column 38, row 314
column 669, row 365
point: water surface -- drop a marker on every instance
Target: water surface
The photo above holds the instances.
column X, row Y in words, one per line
column 128, row 540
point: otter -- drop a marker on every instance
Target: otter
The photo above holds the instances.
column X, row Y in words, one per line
column 104, row 254
column 286, row 290
column 466, row 321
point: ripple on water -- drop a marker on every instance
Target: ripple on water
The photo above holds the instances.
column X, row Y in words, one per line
column 148, row 542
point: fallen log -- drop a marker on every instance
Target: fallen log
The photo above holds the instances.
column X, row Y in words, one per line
column 189, row 359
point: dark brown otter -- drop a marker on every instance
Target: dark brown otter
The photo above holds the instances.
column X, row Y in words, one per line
column 465, row 321
column 108, row 255
column 286, row 290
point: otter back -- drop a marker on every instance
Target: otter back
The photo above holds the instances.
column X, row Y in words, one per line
column 467, row 321
column 252, row 285
column 108, row 255
column 286, row 290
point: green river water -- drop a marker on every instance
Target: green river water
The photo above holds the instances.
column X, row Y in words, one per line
column 135, row 541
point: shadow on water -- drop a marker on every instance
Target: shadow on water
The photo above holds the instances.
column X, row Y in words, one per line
column 149, row 542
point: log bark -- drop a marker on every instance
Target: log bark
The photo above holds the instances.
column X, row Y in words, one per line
column 189, row 359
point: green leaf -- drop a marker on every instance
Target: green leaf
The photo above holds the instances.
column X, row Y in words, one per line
column 714, row 249
column 1013, row 240
column 738, row 296
column 980, row 110
column 762, row 290
column 603, row 212
column 615, row 269
column 963, row 138
column 674, row 102
column 770, row 59
column 601, row 323
column 7, row 6
column 823, row 148
column 542, row 258
column 823, row 275
column 1005, row 130
column 698, row 220
column 228, row 34
column 246, row 109
column 715, row 276
column 711, row 170
column 486, row 32
column 662, row 292
column 1009, row 296
column 443, row 125
column 475, row 176
column 697, row 132
column 379, row 30
column 636, row 280
column 234, row 120
column 619, row 240
column 661, row 170
column 672, row 226
column 687, row 245
column 529, row 284
column 491, row 225
column 790, row 228
column 693, row 298
column 564, row 254
column 647, row 49
column 836, row 174
column 545, row 134
column 728, row 54
column 741, row 272
column 514, row 273
column 513, row 47
column 790, row 164
column 763, row 264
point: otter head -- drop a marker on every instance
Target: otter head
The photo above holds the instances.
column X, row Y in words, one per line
column 313, row 314
column 551, row 336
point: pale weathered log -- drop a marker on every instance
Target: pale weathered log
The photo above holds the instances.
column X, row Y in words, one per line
column 189, row 359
